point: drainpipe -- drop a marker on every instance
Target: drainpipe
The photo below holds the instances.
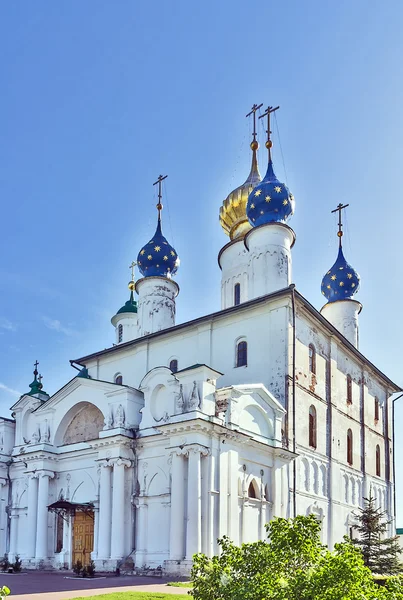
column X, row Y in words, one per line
column 294, row 466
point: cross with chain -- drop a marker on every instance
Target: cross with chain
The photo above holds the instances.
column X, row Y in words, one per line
column 134, row 264
column 159, row 181
column 255, row 107
column 267, row 113
column 340, row 224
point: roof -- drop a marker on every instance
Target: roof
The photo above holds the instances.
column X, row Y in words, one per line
column 196, row 366
column 245, row 306
column 399, row 531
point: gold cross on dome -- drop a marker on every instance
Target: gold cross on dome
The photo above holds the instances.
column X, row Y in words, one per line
column 340, row 224
column 134, row 264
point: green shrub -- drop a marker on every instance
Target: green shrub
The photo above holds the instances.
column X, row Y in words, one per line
column 4, row 591
column 78, row 567
column 4, row 564
column 17, row 564
column 91, row 569
column 291, row 565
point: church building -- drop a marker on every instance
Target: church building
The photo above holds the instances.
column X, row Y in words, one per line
column 179, row 434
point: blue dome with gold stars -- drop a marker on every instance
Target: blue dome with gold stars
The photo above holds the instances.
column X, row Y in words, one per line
column 158, row 258
column 341, row 282
column 269, row 201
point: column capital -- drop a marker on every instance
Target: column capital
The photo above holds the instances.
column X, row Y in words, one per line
column 197, row 449
column 45, row 473
column 119, row 462
column 105, row 462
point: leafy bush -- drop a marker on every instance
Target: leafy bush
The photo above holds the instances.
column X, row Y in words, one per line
column 5, row 564
column 17, row 564
column 291, row 565
column 78, row 567
column 91, row 569
column 4, row 591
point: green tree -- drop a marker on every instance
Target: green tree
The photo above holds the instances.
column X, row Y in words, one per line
column 291, row 565
column 380, row 553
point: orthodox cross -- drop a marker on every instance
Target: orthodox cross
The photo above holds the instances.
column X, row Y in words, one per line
column 159, row 181
column 340, row 224
column 36, row 368
column 255, row 107
column 267, row 114
column 134, row 264
column 40, row 380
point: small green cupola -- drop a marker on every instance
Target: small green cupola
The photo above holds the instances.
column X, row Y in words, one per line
column 36, row 386
column 129, row 307
column 125, row 320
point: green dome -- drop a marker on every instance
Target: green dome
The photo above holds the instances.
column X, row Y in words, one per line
column 129, row 307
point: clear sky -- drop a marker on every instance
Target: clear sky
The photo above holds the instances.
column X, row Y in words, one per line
column 98, row 98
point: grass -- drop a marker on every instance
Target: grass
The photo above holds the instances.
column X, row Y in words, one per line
column 133, row 596
column 185, row 584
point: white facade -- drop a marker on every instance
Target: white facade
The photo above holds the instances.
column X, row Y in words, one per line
column 269, row 411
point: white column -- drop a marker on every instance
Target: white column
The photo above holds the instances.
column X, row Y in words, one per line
column 233, row 510
column 42, row 519
column 193, row 533
column 96, row 533
column 3, row 516
column 177, row 525
column 67, row 541
column 105, row 512
column 32, row 514
column 118, row 509
column 223, row 490
column 13, row 536
column 141, row 546
column 277, row 491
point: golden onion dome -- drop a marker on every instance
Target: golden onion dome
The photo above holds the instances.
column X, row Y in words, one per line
column 233, row 217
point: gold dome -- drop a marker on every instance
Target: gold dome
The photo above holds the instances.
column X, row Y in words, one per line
column 233, row 217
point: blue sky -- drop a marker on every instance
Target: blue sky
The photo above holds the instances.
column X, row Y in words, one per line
column 98, row 98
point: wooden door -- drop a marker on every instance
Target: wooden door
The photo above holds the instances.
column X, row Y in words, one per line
column 83, row 537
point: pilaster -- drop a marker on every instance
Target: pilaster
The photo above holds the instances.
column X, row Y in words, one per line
column 43, row 515
column 105, row 511
column 118, row 508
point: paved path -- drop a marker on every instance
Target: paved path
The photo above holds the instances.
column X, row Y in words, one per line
column 39, row 585
column 98, row 591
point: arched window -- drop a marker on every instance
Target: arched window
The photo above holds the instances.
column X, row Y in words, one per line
column 350, row 447
column 242, row 354
column 349, row 390
column 237, row 294
column 120, row 333
column 253, row 490
column 378, row 460
column 312, row 359
column 376, row 409
column 119, row 379
column 173, row 365
column 312, row 426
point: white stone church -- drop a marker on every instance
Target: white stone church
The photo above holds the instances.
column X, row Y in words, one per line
column 179, row 434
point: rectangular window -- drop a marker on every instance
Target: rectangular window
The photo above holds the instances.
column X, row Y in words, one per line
column 237, row 294
column 59, row 534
